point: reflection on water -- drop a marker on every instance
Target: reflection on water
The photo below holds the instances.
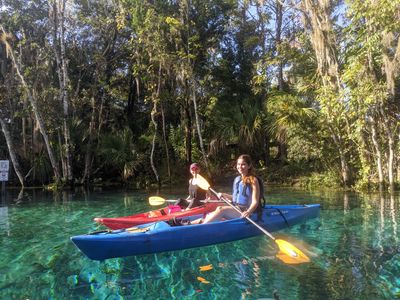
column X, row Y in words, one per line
column 4, row 223
column 354, row 247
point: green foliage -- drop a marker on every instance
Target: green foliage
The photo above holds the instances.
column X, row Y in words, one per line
column 287, row 113
column 303, row 148
column 133, row 60
column 328, row 179
column 177, row 142
column 118, row 152
column 40, row 171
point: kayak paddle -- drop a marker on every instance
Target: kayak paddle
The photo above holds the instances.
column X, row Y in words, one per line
column 288, row 253
column 156, row 200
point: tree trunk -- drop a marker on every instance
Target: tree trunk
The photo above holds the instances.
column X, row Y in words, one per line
column 344, row 167
column 154, row 121
column 11, row 151
column 164, row 130
column 38, row 116
column 391, row 60
column 267, row 154
column 153, row 144
column 278, row 40
column 263, row 32
column 64, row 90
column 203, row 152
column 391, row 161
column 378, row 153
column 188, row 135
column 391, row 151
column 94, row 130
column 62, row 70
column 24, row 138
column 89, row 147
column 324, row 44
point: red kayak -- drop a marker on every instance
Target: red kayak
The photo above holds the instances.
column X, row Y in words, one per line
column 162, row 214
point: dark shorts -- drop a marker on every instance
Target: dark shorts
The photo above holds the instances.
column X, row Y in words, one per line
column 242, row 207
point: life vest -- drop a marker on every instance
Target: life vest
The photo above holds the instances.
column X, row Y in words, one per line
column 241, row 194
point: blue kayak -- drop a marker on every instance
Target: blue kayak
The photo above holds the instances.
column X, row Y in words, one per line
column 161, row 236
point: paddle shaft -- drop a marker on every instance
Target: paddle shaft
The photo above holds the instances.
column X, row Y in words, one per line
column 156, row 201
column 202, row 201
column 239, row 211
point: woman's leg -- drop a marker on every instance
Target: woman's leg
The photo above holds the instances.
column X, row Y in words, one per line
column 222, row 212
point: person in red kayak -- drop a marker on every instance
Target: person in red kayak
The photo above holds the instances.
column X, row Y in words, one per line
column 245, row 195
column 196, row 194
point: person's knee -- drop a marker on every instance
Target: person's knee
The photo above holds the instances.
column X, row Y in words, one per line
column 218, row 209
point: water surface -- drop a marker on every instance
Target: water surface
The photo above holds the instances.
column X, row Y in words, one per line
column 354, row 246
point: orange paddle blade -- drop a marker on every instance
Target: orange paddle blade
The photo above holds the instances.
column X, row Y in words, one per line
column 290, row 254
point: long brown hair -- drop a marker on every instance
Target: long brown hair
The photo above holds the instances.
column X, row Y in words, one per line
column 250, row 177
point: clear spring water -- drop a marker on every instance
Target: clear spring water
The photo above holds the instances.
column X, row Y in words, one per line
column 354, row 246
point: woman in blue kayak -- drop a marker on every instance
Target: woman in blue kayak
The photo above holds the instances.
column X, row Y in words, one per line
column 196, row 194
column 245, row 194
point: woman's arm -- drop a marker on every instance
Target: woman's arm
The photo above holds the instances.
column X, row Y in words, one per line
column 188, row 197
column 191, row 203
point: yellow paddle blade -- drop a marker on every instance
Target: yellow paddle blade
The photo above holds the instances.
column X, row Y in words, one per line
column 155, row 200
column 289, row 254
column 202, row 182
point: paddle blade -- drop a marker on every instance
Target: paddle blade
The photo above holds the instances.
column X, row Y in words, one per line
column 202, row 182
column 290, row 254
column 155, row 200
column 203, row 280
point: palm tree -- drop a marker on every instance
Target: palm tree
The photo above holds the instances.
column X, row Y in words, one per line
column 286, row 112
column 242, row 125
column 118, row 151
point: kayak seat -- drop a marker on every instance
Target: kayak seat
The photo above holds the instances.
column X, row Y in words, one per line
column 161, row 225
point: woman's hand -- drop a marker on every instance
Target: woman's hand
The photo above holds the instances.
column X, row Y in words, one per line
column 227, row 197
column 246, row 214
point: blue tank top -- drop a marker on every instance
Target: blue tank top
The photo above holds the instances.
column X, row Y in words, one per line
column 241, row 194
